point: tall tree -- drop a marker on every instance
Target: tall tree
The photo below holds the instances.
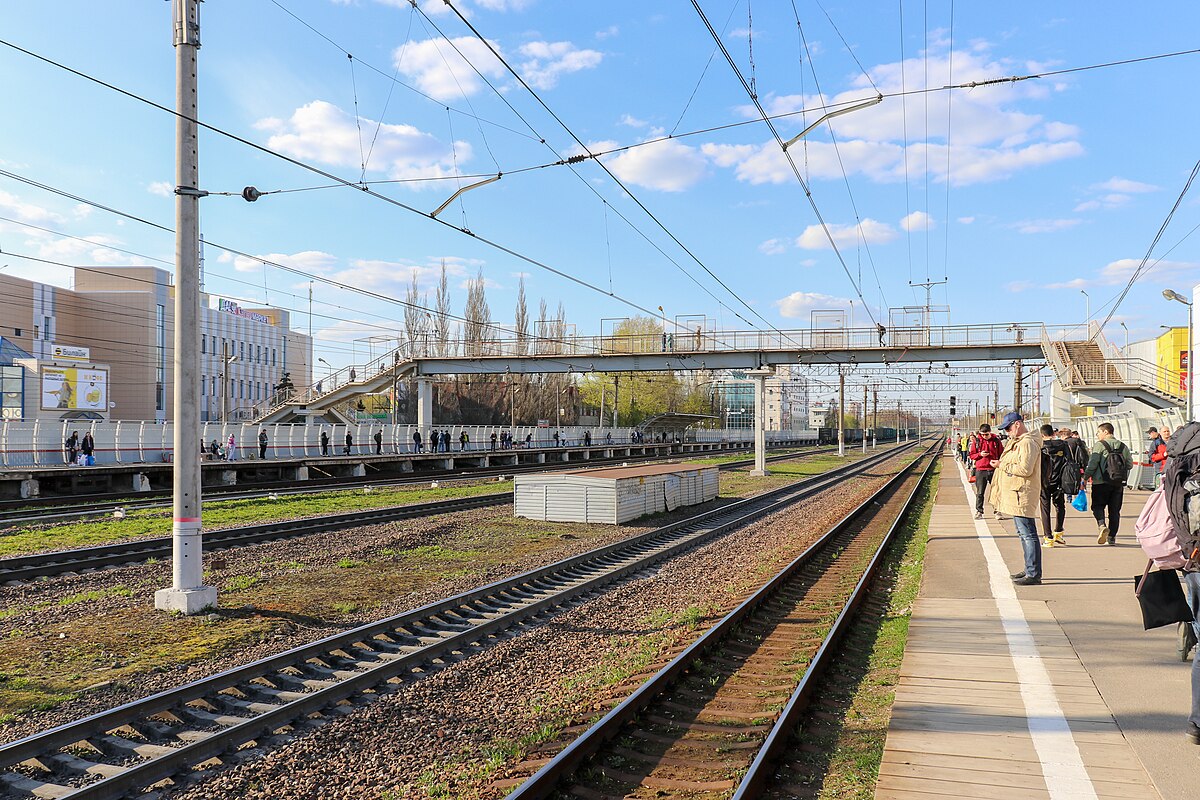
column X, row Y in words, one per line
column 414, row 317
column 521, row 322
column 477, row 328
column 441, row 316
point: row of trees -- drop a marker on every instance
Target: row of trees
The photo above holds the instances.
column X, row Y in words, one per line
column 432, row 330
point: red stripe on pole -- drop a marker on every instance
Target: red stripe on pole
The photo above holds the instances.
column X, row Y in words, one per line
column 187, row 519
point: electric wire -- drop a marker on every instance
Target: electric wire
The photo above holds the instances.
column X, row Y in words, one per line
column 807, row 192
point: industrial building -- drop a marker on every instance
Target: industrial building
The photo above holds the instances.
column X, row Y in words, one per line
column 103, row 349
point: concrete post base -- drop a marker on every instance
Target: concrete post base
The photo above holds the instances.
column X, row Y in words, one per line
column 758, row 473
column 141, row 482
column 30, row 488
column 186, row 601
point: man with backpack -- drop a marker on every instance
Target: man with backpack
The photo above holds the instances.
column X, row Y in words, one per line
column 1055, row 457
column 1108, row 468
column 985, row 452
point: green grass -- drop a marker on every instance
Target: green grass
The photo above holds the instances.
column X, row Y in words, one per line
column 225, row 513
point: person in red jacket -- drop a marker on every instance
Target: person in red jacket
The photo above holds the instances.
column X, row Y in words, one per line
column 985, row 452
column 1158, row 449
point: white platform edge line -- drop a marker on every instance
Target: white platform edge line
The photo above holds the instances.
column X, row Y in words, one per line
column 1062, row 766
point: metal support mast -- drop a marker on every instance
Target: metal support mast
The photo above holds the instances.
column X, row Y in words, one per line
column 187, row 594
column 841, row 420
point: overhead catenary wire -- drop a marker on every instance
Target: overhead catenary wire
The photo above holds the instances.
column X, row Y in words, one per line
column 607, row 171
column 770, row 125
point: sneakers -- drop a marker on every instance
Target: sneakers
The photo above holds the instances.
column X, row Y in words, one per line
column 1016, row 576
column 1025, row 580
column 1112, row 540
column 1000, row 516
column 1103, row 535
column 1059, row 538
column 1193, row 733
column 978, row 515
column 1048, row 542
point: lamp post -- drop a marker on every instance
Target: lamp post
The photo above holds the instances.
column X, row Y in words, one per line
column 1170, row 294
column 1087, row 299
column 1126, row 327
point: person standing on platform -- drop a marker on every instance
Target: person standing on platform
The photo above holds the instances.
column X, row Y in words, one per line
column 463, row 441
column 349, row 443
column 324, row 443
column 378, row 443
column 492, row 441
column 1158, row 456
column 72, row 445
column 88, row 447
column 1016, row 491
column 984, row 456
column 262, row 444
column 1055, row 461
column 1108, row 467
column 416, row 441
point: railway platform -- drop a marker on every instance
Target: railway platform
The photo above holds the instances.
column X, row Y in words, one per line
column 28, row 482
column 1050, row 691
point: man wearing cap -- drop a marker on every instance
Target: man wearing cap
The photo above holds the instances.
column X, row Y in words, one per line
column 1017, row 490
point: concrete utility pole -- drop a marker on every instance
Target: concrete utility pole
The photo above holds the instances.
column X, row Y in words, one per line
column 187, row 594
column 227, row 358
column 759, row 376
column 841, row 412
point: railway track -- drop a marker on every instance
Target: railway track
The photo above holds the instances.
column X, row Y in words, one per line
column 59, row 509
column 713, row 721
column 131, row 747
column 59, row 562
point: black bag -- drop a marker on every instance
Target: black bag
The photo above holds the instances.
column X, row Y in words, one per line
column 1114, row 464
column 1161, row 598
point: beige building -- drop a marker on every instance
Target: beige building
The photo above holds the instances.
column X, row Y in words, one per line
column 114, row 333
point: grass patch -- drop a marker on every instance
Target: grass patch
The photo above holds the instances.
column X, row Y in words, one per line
column 223, row 513
column 95, row 594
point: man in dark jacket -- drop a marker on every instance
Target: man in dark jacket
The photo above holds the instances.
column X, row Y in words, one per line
column 262, row 443
column 324, row 443
column 985, row 452
column 378, row 443
column 1108, row 491
column 1055, row 456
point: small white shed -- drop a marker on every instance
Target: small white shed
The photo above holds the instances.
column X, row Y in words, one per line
column 613, row 495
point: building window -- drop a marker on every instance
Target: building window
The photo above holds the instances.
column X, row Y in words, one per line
column 257, row 354
column 12, row 392
column 203, row 344
column 16, row 331
column 160, row 370
column 202, row 380
column 214, row 344
column 272, row 352
column 242, row 350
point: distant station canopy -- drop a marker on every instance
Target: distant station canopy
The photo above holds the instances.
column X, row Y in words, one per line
column 673, row 421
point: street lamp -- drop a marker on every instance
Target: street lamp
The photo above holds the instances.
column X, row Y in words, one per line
column 1126, row 327
column 1171, row 294
column 1088, row 307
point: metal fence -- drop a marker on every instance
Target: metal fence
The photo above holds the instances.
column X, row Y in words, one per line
column 40, row 443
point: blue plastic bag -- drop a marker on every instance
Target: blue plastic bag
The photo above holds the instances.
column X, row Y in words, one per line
column 1080, row 501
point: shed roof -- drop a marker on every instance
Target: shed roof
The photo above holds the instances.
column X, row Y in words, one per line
column 637, row 472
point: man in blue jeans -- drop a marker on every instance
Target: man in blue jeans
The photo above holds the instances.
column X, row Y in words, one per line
column 1017, row 491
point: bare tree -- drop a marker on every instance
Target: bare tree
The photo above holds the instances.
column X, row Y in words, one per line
column 441, row 316
column 522, row 320
column 478, row 316
column 414, row 316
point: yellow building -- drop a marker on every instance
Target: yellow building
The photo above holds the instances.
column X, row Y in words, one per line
column 1171, row 355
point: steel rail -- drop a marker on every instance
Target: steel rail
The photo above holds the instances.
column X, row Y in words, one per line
column 544, row 782
column 384, row 649
column 58, row 562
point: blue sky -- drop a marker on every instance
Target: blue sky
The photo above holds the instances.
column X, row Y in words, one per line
column 1034, row 191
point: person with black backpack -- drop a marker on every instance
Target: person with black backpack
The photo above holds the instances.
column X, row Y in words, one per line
column 1181, row 485
column 1108, row 468
column 1054, row 464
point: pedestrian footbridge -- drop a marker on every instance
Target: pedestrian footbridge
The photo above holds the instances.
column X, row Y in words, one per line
column 1089, row 366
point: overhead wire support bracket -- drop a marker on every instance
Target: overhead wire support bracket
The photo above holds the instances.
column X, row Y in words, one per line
column 874, row 101
column 466, row 188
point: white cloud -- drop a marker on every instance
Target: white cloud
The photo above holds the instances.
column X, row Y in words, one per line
column 440, row 71
column 992, row 137
column 1125, row 186
column 488, row 283
column 609, row 32
column 1019, row 286
column 667, row 165
column 161, row 188
column 966, row 220
column 633, row 122
column 545, row 62
column 1120, row 271
column 1044, row 225
column 773, row 247
column 82, row 210
column 799, row 304
column 917, row 221
column 12, row 205
column 868, row 231
column 307, row 261
column 322, row 132
column 1077, row 283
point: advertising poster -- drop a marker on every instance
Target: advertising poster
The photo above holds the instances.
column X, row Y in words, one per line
column 74, row 389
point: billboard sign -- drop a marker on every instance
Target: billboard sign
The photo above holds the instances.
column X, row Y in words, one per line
column 74, row 389
column 63, row 352
column 230, row 307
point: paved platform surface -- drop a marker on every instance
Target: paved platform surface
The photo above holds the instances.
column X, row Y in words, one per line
column 1050, row 691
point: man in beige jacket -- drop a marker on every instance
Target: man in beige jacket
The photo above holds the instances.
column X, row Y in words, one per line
column 1017, row 491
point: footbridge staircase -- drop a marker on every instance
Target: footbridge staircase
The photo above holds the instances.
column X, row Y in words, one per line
column 1100, row 375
